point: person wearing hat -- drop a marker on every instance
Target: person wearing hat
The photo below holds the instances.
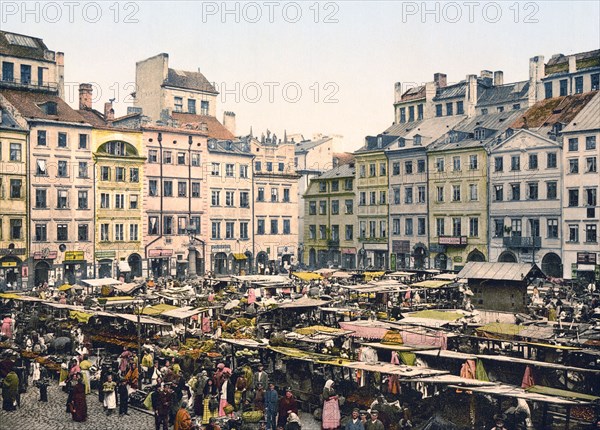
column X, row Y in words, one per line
column 355, row 423
column 260, row 377
column 10, row 390
column 287, row 405
column 123, row 397
column 374, row 423
column 226, row 393
column 499, row 420
column 271, row 399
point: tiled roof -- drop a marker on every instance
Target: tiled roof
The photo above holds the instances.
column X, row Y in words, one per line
column 508, row 93
column 451, row 91
column 343, row 171
column 27, row 46
column 214, row 129
column 343, row 158
column 414, row 93
column 230, row 146
column 588, row 118
column 309, row 144
column 93, row 117
column 189, row 80
column 28, row 104
column 583, row 60
column 8, row 122
column 401, row 129
column 492, row 121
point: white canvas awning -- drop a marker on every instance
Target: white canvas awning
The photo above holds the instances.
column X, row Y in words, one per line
column 124, row 266
column 101, row 282
column 183, row 313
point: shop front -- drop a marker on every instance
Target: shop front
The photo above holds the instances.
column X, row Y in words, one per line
column 376, row 256
column 401, row 253
column 74, row 267
column 220, row 259
column 586, row 269
column 135, row 263
column 10, row 272
column 43, row 262
column 159, row 262
column 105, row 263
column 285, row 255
column 348, row 258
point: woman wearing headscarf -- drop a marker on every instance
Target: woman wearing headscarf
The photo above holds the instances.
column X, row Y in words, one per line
column 201, row 380
column 331, row 407
column 85, row 366
column 10, row 391
column 293, row 422
column 78, row 405
column 287, row 405
column 210, row 402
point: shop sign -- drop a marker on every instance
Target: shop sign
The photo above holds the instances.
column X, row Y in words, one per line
column 452, row 240
column 74, row 255
column 154, row 253
column 401, row 246
column 348, row 251
column 220, row 248
column 457, row 259
column 12, row 251
column 586, row 258
column 45, row 254
column 281, row 250
column 440, row 249
column 105, row 254
column 9, row 264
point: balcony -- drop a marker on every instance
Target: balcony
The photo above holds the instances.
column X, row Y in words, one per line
column 28, row 84
column 522, row 242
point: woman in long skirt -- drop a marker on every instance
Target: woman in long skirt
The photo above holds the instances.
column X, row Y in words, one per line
column 110, row 396
column 331, row 407
column 78, row 404
column 210, row 393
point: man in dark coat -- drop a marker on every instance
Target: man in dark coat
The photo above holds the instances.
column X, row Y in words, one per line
column 161, row 404
column 123, row 397
column 374, row 423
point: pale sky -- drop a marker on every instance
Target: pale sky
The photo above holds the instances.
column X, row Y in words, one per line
column 343, row 56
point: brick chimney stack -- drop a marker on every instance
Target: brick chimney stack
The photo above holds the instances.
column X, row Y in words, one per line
column 498, row 78
column 109, row 112
column 229, row 121
column 440, row 79
column 85, row 96
column 572, row 63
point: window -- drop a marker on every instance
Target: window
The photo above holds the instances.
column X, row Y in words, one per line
column 105, row 173
column 16, row 226
column 573, row 165
column 395, row 168
column 83, row 169
column 323, row 207
column 456, row 164
column 191, row 106
column 408, row 226
column 133, row 201
column 373, row 198
column 473, row 192
column 372, row 229
column 578, row 84
column 456, row 193
column 312, row 231
column 498, row 227
column 134, row 174
column 551, row 190
column 573, row 198
column 286, row 195
column 349, row 232
column 62, row 140
column 168, row 224
column 408, row 195
column 229, row 230
column 153, row 188
column 456, row 227
column 408, row 167
column 243, row 170
column 229, row 198
column 402, row 114
column 167, row 157
column 362, row 198
column 421, row 194
column 257, row 166
column 62, row 169
column 133, row 232
column 216, row 169
column 438, row 110
column 439, row 164
column 553, row 229
column 516, row 106
column 243, row 230
column 181, row 158
column 498, row 193
column 591, row 233
column 460, row 108
column 439, row 224
column 590, row 143
column 421, row 226
column 261, row 196
column 484, row 111
column 196, row 159
column 591, row 165
column 153, row 225
column 104, row 200
column 591, row 197
column 204, row 107
column 119, row 234
column 335, row 207
column 260, row 226
column 274, row 226
column 548, row 90
column 104, row 232
column 322, row 232
column 372, row 169
column 349, row 206
column 8, row 71
column 573, row 233
column 229, row 169
column 532, row 191
column 244, row 199
column 440, row 194
column 215, row 198
column 178, row 104
column 551, row 160
column 152, row 156
column 473, row 162
column 382, row 229
column 534, row 227
column 312, row 208
column 15, row 152
column 62, row 202
column 515, row 163
column 15, row 188
column 168, row 188
column 533, row 161
column 595, row 80
column 382, row 199
column 480, row 134
column 62, row 232
column 335, row 186
column 474, row 227
column 286, row 226
column 573, row 144
column 395, row 226
column 195, row 189
column 516, row 191
column 119, row 174
column 119, row 201
column 40, row 199
column 280, row 167
column 82, row 199
column 419, row 112
column 411, row 113
column 420, row 166
column 83, row 141
column 41, row 233
column 41, row 137
column 181, row 189
column 562, row 87
column 269, row 166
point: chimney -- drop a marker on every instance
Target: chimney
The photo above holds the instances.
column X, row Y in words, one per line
column 398, row 92
column 85, row 96
column 537, row 70
column 572, row 64
column 109, row 112
column 498, row 78
column 229, row 121
column 471, row 95
column 487, row 76
column 440, row 79
column 60, row 72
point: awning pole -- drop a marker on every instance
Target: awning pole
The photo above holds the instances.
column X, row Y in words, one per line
column 568, row 418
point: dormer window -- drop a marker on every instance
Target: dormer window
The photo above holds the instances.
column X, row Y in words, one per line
column 401, row 142
column 49, row 108
column 480, row 134
column 557, row 128
column 417, row 140
column 379, row 142
column 509, row 132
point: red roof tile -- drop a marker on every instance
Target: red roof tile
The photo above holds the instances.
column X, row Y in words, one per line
column 214, row 129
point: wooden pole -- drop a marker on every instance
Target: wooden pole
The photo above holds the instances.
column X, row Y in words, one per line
column 568, row 418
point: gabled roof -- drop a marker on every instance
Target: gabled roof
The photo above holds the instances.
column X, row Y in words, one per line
column 588, row 118
column 429, row 130
column 498, row 271
column 189, row 80
column 508, row 93
column 93, row 117
column 523, row 144
column 214, row 129
column 19, row 45
column 29, row 105
column 230, row 146
column 7, row 121
column 451, row 91
column 414, row 93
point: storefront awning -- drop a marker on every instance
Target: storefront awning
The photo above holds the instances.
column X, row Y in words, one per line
column 240, row 256
column 307, row 276
column 65, row 287
column 431, row 284
column 124, row 266
column 585, row 267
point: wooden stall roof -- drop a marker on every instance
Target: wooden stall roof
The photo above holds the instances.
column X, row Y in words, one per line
column 303, row 302
column 158, row 309
column 398, row 347
column 505, row 390
column 498, row 271
column 555, row 366
column 184, row 312
column 447, row 354
column 431, row 283
column 452, row 379
column 19, row 297
column 101, row 282
column 307, row 276
column 246, row 343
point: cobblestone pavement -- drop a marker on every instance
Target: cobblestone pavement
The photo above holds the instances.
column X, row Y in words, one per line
column 36, row 415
